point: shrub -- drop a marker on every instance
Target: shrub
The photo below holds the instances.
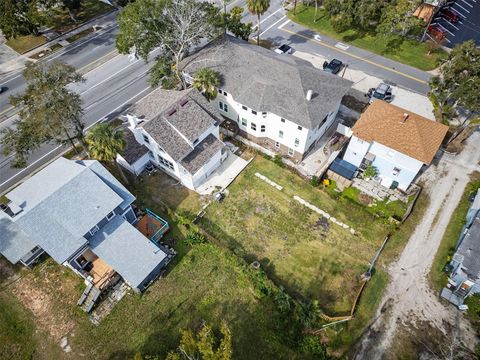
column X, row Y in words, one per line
column 370, row 172
column 277, row 159
column 314, row 181
column 311, row 345
column 194, row 237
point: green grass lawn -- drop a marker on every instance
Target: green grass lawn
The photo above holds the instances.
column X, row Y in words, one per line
column 207, row 284
column 438, row 277
column 257, row 221
column 22, row 44
column 408, row 52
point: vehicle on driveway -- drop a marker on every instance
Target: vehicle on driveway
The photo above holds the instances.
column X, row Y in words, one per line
column 449, row 15
column 436, row 31
column 333, row 66
column 284, row 49
column 382, row 92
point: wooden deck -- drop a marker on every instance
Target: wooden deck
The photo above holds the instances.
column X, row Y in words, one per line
column 101, row 272
column 148, row 226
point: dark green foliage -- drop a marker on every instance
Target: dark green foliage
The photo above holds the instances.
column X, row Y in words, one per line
column 277, row 159
column 195, row 237
column 233, row 20
column 314, row 181
column 364, row 14
column 161, row 73
column 18, row 18
column 312, row 346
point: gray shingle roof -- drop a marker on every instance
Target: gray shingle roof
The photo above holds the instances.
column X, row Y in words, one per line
column 14, row 243
column 202, row 153
column 266, row 81
column 181, row 115
column 133, row 150
column 125, row 249
column 63, row 202
column 470, row 249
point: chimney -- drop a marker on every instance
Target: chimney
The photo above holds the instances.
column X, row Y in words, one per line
column 132, row 120
column 309, row 95
column 405, row 117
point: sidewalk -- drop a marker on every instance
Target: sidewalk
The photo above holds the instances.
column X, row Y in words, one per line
column 12, row 62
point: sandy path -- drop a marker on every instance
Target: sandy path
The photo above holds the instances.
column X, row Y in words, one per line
column 408, row 296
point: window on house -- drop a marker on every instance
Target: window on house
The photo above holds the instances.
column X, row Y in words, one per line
column 396, row 171
column 253, row 126
column 93, row 230
column 110, row 216
column 151, row 155
column 244, row 107
column 166, row 163
column 280, row 134
column 264, row 114
column 225, row 107
column 282, row 120
column 160, row 148
column 225, row 93
column 146, row 139
column 297, row 142
column 277, row 144
column 262, row 128
column 220, row 105
column 300, row 128
column 254, row 112
column 290, row 152
column 244, row 122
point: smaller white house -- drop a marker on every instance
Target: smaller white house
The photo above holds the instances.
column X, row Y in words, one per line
column 396, row 142
column 178, row 132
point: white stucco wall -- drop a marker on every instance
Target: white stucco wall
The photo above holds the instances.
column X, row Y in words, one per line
column 386, row 160
column 273, row 124
column 138, row 166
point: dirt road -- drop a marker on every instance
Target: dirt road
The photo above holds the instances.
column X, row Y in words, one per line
column 409, row 297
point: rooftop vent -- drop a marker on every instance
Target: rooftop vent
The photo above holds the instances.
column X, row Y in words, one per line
column 183, row 102
column 309, row 95
column 405, row 117
column 171, row 112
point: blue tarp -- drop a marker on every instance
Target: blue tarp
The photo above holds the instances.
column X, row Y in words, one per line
column 343, row 168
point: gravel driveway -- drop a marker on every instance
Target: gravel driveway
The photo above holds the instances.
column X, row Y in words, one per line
column 409, row 296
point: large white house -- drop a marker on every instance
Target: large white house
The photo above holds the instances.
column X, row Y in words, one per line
column 395, row 141
column 280, row 102
column 179, row 132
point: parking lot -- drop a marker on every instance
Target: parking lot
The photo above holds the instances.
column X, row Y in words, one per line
column 466, row 28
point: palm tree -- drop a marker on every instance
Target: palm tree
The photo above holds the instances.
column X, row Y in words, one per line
column 258, row 7
column 206, row 81
column 104, row 143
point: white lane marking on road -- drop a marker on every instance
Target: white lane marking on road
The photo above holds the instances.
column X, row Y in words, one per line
column 342, row 46
column 268, row 17
column 467, row 3
column 275, row 23
column 461, row 7
column 13, row 78
column 285, row 23
column 58, row 147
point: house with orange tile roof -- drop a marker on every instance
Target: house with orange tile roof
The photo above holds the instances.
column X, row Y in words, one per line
column 397, row 142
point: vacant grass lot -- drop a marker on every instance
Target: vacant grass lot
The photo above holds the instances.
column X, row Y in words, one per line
column 257, row 221
column 59, row 20
column 408, row 52
column 207, row 284
column 438, row 277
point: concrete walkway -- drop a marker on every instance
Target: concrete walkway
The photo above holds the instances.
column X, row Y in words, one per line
column 224, row 175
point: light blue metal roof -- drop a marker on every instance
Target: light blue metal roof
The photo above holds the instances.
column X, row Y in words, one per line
column 127, row 251
column 14, row 243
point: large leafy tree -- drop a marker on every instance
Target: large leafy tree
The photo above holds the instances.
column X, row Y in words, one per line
column 458, row 83
column 364, row 14
column 258, row 7
column 398, row 20
column 18, row 18
column 206, row 81
column 49, row 111
column 203, row 345
column 104, row 142
column 174, row 26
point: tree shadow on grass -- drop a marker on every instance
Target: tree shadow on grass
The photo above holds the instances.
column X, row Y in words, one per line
column 392, row 45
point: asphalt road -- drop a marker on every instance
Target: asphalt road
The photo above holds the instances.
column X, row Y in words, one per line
column 114, row 86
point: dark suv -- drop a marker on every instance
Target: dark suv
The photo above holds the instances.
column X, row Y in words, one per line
column 333, row 66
